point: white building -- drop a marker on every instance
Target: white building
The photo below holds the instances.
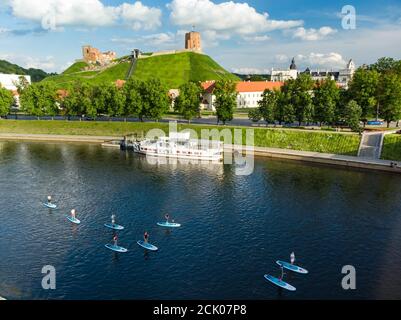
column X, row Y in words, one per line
column 10, row 81
column 285, row 75
column 346, row 74
column 249, row 93
column 342, row 77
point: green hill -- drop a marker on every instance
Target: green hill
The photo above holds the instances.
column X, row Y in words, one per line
column 10, row 68
column 172, row 69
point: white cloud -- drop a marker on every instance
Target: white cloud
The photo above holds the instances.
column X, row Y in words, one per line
column 326, row 60
column 159, row 38
column 262, row 38
column 141, row 16
column 155, row 41
column 249, row 70
column 54, row 14
column 225, row 19
column 281, row 57
column 313, row 34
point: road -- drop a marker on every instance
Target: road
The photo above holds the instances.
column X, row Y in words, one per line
column 209, row 120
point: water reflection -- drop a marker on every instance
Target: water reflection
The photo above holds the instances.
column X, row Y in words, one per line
column 234, row 227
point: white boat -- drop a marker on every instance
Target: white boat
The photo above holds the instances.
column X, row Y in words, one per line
column 180, row 145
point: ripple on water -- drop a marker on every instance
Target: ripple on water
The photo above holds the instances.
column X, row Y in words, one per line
column 233, row 230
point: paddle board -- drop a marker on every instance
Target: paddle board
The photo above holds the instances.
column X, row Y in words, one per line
column 291, row 267
column 116, row 248
column 279, row 283
column 73, row 220
column 168, row 224
column 50, row 205
column 147, row 246
column 113, row 226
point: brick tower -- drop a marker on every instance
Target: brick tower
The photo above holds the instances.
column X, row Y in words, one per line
column 193, row 41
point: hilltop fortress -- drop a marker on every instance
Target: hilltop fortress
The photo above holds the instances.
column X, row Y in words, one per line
column 94, row 56
column 97, row 59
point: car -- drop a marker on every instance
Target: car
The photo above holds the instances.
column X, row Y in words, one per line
column 375, row 123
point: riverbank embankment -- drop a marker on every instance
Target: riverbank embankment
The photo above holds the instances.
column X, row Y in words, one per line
column 274, row 153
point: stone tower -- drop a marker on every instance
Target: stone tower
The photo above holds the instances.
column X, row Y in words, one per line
column 193, row 41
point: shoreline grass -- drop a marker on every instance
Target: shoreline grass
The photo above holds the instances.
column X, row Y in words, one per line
column 392, row 147
column 315, row 141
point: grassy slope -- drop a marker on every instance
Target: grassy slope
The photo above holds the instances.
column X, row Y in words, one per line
column 392, row 147
column 174, row 70
column 76, row 67
column 276, row 138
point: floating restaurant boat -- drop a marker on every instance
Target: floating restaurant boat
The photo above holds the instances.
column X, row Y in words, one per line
column 177, row 145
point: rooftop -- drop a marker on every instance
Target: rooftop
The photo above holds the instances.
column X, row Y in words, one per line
column 247, row 86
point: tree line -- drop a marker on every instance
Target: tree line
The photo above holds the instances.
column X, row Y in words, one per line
column 375, row 91
column 143, row 99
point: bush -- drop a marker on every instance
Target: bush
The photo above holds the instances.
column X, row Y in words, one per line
column 254, row 115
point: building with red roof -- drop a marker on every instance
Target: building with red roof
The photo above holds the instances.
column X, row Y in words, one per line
column 249, row 93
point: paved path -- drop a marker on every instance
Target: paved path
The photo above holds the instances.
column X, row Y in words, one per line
column 326, row 158
column 371, row 144
column 61, row 138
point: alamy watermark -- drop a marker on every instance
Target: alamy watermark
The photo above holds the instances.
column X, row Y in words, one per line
column 348, row 14
column 236, row 144
column 49, row 280
column 349, row 280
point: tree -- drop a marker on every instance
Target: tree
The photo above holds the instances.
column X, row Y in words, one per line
column 384, row 65
column 325, row 101
column 254, row 115
column 281, row 107
column 226, row 100
column 39, row 99
column 50, row 95
column 298, row 94
column 133, row 98
column 188, row 102
column 6, row 101
column 256, row 77
column 363, row 89
column 268, row 105
column 22, row 84
column 352, row 115
column 115, row 101
column 155, row 99
column 389, row 97
column 288, row 113
column 79, row 100
column 100, row 99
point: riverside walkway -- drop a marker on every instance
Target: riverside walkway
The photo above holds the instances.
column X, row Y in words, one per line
column 55, row 138
column 371, row 144
column 324, row 158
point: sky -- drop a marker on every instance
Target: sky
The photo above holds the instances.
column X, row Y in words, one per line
column 244, row 36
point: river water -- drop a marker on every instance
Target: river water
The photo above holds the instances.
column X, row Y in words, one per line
column 233, row 230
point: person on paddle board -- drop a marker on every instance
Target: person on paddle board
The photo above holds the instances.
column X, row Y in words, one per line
column 73, row 214
column 167, row 216
column 292, row 257
column 115, row 240
column 282, row 273
column 113, row 219
column 49, row 199
column 146, row 237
